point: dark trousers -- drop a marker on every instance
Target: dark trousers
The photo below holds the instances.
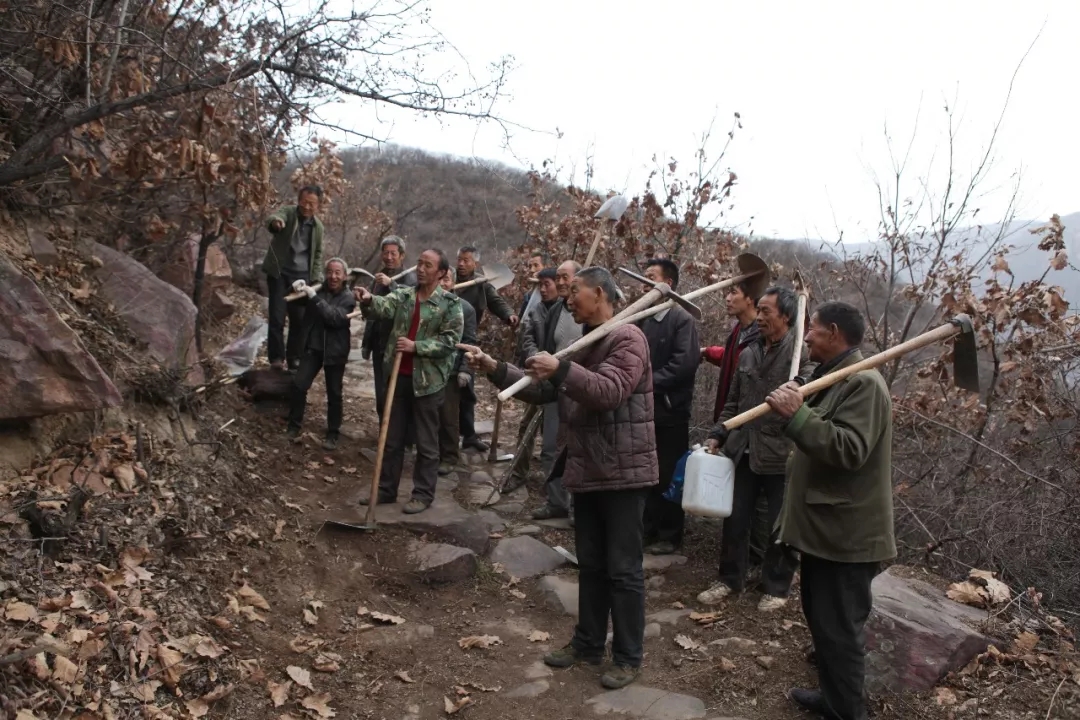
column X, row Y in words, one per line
column 379, row 378
column 449, row 448
column 421, row 414
column 608, row 537
column 836, row 601
column 664, row 519
column 779, row 564
column 760, row 529
column 310, row 364
column 467, row 415
column 279, row 310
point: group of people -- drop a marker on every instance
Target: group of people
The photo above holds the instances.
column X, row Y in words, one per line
column 812, row 483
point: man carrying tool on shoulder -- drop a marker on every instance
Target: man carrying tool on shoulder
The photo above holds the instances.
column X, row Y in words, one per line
column 377, row 332
column 482, row 297
column 427, row 325
column 326, row 338
column 459, row 384
column 605, row 402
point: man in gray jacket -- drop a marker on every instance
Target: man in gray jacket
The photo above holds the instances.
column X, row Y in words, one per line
column 759, row 451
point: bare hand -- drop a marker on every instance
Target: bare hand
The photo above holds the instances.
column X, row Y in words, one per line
column 277, row 225
column 383, row 279
column 405, row 345
column 513, row 321
column 541, row 366
column 478, row 360
column 785, row 400
column 712, row 445
column 362, row 295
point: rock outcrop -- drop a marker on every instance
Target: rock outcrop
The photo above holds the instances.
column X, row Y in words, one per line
column 46, row 368
column 217, row 275
column 157, row 314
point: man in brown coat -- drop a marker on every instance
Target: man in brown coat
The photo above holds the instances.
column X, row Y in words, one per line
column 606, row 414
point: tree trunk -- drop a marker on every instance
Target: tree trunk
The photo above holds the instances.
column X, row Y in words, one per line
column 205, row 242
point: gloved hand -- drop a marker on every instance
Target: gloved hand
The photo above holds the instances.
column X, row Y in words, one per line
column 299, row 285
column 463, row 380
column 365, row 353
column 309, row 291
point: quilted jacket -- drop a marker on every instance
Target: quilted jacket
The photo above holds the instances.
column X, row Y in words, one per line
column 605, row 402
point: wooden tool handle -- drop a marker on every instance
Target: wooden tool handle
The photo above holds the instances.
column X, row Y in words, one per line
column 297, row 295
column 800, row 331
column 661, row 307
column 470, row 283
column 403, row 273
column 594, row 246
column 937, row 335
column 493, row 449
column 391, row 387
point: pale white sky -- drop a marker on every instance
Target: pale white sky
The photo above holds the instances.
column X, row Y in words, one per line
column 815, row 83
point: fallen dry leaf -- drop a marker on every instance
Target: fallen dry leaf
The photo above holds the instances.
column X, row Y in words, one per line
column 479, row 641
column 677, row 605
column 300, row 676
column 706, row 618
column 310, row 618
column 517, row 593
column 967, row 593
column 172, row 665
column 944, row 696
column 249, row 595
column 451, row 706
column 39, row 666
column 687, row 643
column 64, row 670
column 221, row 691
column 301, row 644
column 1024, row 643
column 279, row 526
column 318, row 703
column 197, row 707
column 327, row 662
column 483, row 688
column 387, row 619
column 56, row 603
column 726, row 665
column 279, row 692
column 145, row 692
column 539, row 636
column 20, row 612
column 207, row 648
column 403, row 676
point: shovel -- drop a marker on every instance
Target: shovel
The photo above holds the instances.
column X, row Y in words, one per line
column 612, row 209
column 497, row 274
column 965, row 365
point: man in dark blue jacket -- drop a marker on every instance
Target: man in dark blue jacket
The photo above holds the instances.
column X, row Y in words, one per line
column 326, row 341
column 674, row 349
column 460, row 383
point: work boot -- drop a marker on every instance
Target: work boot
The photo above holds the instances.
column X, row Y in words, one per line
column 475, row 443
column 445, row 469
column 415, row 506
column 769, row 603
column 549, row 513
column 619, row 676
column 568, row 657
column 513, row 483
column 380, row 500
column 293, row 434
column 663, row 547
column 716, row 592
column 331, row 442
column 811, row 700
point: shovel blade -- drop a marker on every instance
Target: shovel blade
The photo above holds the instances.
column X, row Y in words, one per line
column 966, row 361
column 498, row 275
column 613, row 208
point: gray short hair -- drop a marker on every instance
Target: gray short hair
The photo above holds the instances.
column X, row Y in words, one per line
column 393, row 240
column 471, row 249
column 598, row 277
column 786, row 301
column 340, row 261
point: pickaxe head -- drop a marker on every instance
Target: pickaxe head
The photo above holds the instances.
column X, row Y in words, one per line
column 670, row 294
column 749, row 264
column 613, row 208
column 356, row 273
column 965, row 355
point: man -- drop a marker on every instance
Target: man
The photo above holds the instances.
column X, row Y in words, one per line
column 482, row 297
column 427, row 325
column 461, row 382
column 538, row 260
column 838, row 508
column 606, row 407
column 759, row 452
column 673, row 349
column 326, row 340
column 376, row 332
column 295, row 253
column 741, row 305
column 533, row 340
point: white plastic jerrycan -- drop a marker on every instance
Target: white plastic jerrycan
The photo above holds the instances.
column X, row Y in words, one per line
column 709, row 484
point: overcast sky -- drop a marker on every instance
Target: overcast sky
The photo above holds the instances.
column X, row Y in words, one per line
column 814, row 82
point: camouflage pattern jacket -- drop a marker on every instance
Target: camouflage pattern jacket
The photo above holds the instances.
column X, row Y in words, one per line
column 440, row 329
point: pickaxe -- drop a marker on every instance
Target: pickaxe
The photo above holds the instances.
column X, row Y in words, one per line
column 498, row 275
column 612, row 209
column 965, row 365
column 679, row 300
column 354, row 274
column 800, row 324
column 753, row 269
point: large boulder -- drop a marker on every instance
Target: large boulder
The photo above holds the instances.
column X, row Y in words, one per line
column 916, row 635
column 157, row 314
column 440, row 563
column 180, row 268
column 525, row 556
column 46, row 368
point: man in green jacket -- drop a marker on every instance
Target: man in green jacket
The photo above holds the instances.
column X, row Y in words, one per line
column 427, row 326
column 838, row 506
column 295, row 253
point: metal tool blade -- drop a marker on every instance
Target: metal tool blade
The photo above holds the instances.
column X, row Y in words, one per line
column 965, row 355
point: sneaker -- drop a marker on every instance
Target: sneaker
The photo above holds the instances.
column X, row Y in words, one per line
column 769, row 603
column 415, row 506
column 475, row 443
column 293, row 434
column 661, row 548
column 716, row 592
column 381, row 500
column 549, row 513
column 568, row 657
column 619, row 676
column 811, row 700
column 330, row 443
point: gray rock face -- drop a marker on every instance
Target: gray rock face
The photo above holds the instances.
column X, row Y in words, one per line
column 525, row 556
column 560, row 595
column 527, row 530
column 735, row 645
column 652, row 630
column 668, row 617
column 42, row 248
column 537, row 671
column 439, row 563
column 46, row 369
column 648, row 703
column 916, row 635
column 529, row 689
column 662, row 562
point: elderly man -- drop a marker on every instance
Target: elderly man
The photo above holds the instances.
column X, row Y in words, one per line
column 759, row 451
column 427, row 326
column 377, row 332
column 326, row 339
column 538, row 260
column 838, row 508
column 295, row 253
column 673, row 349
column 606, row 406
column 461, row 382
column 482, row 297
